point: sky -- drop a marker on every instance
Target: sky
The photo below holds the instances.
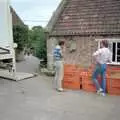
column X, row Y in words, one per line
column 35, row 12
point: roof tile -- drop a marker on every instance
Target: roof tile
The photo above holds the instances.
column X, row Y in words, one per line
column 89, row 16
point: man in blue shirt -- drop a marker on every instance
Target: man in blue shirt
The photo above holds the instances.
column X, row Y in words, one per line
column 59, row 67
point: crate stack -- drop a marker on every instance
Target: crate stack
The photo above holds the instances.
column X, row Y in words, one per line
column 113, row 81
column 72, row 78
column 76, row 78
column 87, row 83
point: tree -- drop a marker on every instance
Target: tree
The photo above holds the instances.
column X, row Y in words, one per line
column 37, row 41
column 20, row 36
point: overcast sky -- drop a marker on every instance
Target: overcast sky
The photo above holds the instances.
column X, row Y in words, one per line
column 35, row 12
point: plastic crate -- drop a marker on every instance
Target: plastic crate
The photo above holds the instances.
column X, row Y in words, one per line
column 113, row 86
column 70, row 68
column 89, row 87
column 73, row 85
column 72, row 79
column 87, row 84
column 72, row 82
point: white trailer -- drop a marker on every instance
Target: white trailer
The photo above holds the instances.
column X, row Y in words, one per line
column 7, row 45
column 6, row 37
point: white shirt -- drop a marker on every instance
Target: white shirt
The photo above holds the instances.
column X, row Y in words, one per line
column 103, row 55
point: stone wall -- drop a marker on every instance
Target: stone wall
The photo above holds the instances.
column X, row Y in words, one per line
column 82, row 55
column 51, row 43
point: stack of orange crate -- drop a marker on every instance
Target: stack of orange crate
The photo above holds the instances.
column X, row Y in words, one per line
column 71, row 77
column 74, row 78
column 113, row 81
column 87, row 83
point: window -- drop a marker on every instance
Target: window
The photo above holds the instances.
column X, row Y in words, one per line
column 115, row 52
column 114, row 46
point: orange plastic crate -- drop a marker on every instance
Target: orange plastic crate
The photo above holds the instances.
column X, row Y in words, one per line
column 114, row 83
column 72, row 82
column 114, row 91
column 113, row 86
column 73, row 85
column 73, row 74
column 70, row 68
column 88, row 85
column 71, row 78
column 114, row 68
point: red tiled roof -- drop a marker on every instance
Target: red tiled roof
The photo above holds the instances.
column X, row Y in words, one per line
column 87, row 17
column 16, row 20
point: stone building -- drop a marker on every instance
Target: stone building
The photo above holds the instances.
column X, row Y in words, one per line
column 82, row 24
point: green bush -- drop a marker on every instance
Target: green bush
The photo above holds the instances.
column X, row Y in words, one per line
column 37, row 40
column 20, row 36
column 33, row 39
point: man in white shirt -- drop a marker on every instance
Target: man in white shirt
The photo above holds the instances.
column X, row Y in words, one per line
column 102, row 56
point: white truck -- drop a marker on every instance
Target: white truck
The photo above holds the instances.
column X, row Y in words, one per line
column 7, row 53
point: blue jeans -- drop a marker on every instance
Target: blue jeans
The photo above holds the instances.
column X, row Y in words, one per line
column 100, row 70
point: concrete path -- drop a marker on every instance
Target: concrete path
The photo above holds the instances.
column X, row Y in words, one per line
column 34, row 99
column 29, row 65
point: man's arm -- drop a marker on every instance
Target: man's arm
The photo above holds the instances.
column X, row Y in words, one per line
column 95, row 55
column 98, row 52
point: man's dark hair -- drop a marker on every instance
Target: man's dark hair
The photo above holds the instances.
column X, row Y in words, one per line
column 61, row 43
column 105, row 43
